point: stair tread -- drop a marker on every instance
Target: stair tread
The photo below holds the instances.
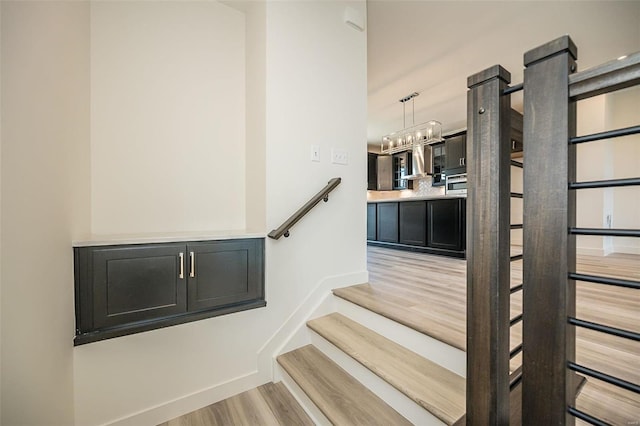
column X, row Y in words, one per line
column 382, row 302
column 340, row 397
column 438, row 390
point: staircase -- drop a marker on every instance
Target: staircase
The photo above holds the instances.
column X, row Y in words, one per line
column 360, row 367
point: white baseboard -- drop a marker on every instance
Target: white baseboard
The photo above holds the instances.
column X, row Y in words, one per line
column 589, row 251
column 188, row 403
column 290, row 330
column 626, row 249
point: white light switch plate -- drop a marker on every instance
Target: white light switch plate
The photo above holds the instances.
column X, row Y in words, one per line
column 315, row 153
column 339, row 156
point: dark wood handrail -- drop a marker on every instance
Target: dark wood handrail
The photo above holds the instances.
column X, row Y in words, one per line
column 613, row 75
column 302, row 211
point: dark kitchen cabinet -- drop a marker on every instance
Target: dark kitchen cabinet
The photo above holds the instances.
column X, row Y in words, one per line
column 125, row 289
column 402, row 167
column 446, row 224
column 439, row 163
column 413, row 223
column 456, row 161
column 371, row 221
column 372, row 171
column 387, row 226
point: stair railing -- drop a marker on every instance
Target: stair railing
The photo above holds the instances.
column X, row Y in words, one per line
column 323, row 195
column 551, row 89
column 488, row 247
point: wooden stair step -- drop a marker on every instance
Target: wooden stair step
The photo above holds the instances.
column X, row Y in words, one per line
column 340, row 397
column 436, row 389
column 377, row 299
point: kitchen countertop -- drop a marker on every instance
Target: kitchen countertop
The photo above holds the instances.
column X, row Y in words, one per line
column 164, row 237
column 423, row 198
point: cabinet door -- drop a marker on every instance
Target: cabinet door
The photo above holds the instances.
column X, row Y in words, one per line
column 136, row 283
column 371, row 221
column 413, row 223
column 445, row 230
column 224, row 273
column 456, row 154
column 388, row 222
column 372, row 171
column 401, row 167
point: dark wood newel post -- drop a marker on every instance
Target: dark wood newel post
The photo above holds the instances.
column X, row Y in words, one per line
column 549, row 250
column 488, row 263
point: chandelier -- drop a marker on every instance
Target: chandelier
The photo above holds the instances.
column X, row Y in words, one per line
column 418, row 134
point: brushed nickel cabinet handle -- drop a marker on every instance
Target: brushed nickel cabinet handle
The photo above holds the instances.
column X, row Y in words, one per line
column 192, row 273
column 181, row 276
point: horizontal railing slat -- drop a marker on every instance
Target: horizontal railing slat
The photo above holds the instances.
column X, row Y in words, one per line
column 608, row 77
column 512, row 89
column 605, row 280
column 606, row 135
column 606, row 232
column 604, row 377
column 586, row 417
column 605, row 329
column 610, row 183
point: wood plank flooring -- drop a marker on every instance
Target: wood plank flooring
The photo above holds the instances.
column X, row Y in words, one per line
column 433, row 387
column 269, row 405
column 340, row 397
column 428, row 293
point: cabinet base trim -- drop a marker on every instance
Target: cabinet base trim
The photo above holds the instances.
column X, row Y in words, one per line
column 429, row 250
column 137, row 327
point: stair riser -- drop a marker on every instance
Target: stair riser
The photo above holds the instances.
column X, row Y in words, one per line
column 307, row 405
column 396, row 399
column 439, row 352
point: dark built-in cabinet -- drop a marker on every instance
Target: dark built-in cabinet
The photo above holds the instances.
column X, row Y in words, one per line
column 372, row 171
column 434, row 226
column 387, row 222
column 372, row 214
column 125, row 289
column 446, row 224
column 456, row 148
column 413, row 223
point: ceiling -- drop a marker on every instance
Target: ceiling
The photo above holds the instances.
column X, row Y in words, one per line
column 431, row 47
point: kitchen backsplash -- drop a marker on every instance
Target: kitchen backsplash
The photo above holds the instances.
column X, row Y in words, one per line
column 423, row 187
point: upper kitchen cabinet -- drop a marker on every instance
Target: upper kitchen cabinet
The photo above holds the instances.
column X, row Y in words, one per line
column 402, row 168
column 384, row 171
column 439, row 159
column 456, row 153
column 372, row 171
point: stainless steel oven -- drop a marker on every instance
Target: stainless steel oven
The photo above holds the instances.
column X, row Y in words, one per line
column 456, row 184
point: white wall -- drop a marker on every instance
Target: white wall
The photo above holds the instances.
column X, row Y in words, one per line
column 167, row 117
column 316, row 95
column 624, row 154
column 314, row 88
column 45, row 175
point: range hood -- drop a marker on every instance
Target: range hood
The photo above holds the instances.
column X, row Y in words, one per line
column 421, row 162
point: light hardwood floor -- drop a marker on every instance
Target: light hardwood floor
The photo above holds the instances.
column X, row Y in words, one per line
column 428, row 293
column 268, row 405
